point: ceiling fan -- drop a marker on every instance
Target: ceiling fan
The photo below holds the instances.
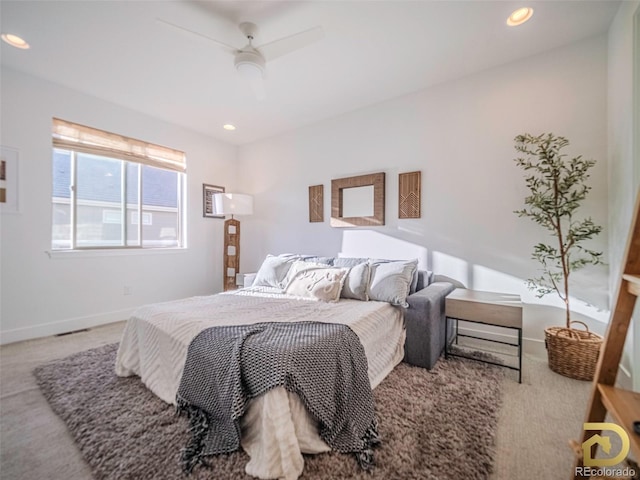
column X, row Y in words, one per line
column 251, row 61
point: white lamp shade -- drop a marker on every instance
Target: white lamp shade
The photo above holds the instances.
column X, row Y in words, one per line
column 232, row 204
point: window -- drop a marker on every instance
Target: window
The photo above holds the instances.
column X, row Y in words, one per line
column 104, row 183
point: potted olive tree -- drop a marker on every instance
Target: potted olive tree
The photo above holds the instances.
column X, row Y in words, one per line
column 557, row 187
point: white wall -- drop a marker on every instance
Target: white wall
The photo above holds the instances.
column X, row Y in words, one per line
column 460, row 135
column 624, row 163
column 42, row 295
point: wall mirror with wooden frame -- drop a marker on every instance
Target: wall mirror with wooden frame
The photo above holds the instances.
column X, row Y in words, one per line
column 358, row 201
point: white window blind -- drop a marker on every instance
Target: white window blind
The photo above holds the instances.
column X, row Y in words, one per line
column 80, row 138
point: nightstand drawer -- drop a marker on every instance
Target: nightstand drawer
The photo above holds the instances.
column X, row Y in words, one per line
column 500, row 309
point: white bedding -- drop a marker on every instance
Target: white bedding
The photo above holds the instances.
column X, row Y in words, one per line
column 276, row 429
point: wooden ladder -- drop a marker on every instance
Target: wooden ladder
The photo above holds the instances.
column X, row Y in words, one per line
column 622, row 405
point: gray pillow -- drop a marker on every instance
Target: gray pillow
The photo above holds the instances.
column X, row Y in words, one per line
column 356, row 285
column 348, row 262
column 425, row 278
column 391, row 281
column 323, row 260
column 415, row 281
column 273, row 271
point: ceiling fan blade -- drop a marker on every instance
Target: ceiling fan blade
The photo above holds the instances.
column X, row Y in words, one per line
column 257, row 85
column 282, row 46
column 228, row 48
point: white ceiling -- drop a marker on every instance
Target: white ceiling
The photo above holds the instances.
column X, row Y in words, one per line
column 372, row 51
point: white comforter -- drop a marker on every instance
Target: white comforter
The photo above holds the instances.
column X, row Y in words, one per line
column 276, row 429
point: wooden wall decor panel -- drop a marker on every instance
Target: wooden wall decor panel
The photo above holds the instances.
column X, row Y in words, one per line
column 316, row 203
column 377, row 180
column 409, row 189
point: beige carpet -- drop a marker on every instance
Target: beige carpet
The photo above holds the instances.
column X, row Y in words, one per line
column 536, row 420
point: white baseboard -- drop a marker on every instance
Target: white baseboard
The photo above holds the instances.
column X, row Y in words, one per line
column 536, row 348
column 624, row 379
column 530, row 346
column 63, row 326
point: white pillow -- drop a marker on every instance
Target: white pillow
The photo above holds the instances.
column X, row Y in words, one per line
column 273, row 271
column 300, row 266
column 390, row 282
column 320, row 284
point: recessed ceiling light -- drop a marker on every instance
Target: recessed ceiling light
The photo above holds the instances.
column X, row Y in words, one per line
column 15, row 41
column 229, row 127
column 519, row 16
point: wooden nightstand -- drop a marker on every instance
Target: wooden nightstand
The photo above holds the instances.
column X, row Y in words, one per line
column 488, row 308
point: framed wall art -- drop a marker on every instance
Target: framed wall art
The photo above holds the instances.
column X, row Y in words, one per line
column 409, row 195
column 358, row 201
column 316, row 203
column 208, row 191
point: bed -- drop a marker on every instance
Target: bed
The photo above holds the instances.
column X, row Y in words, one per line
column 276, row 429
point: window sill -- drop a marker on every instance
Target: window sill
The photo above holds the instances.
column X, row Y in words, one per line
column 113, row 252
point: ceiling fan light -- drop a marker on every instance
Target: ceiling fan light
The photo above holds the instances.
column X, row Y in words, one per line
column 250, row 70
column 250, row 64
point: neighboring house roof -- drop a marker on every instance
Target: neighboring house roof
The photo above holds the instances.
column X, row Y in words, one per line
column 102, row 182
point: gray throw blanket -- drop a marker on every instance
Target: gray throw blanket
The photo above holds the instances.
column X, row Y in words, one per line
column 323, row 363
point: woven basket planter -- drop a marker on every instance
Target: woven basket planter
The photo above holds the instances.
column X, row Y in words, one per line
column 573, row 353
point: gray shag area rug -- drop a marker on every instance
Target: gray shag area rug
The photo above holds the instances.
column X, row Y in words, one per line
column 437, row 424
